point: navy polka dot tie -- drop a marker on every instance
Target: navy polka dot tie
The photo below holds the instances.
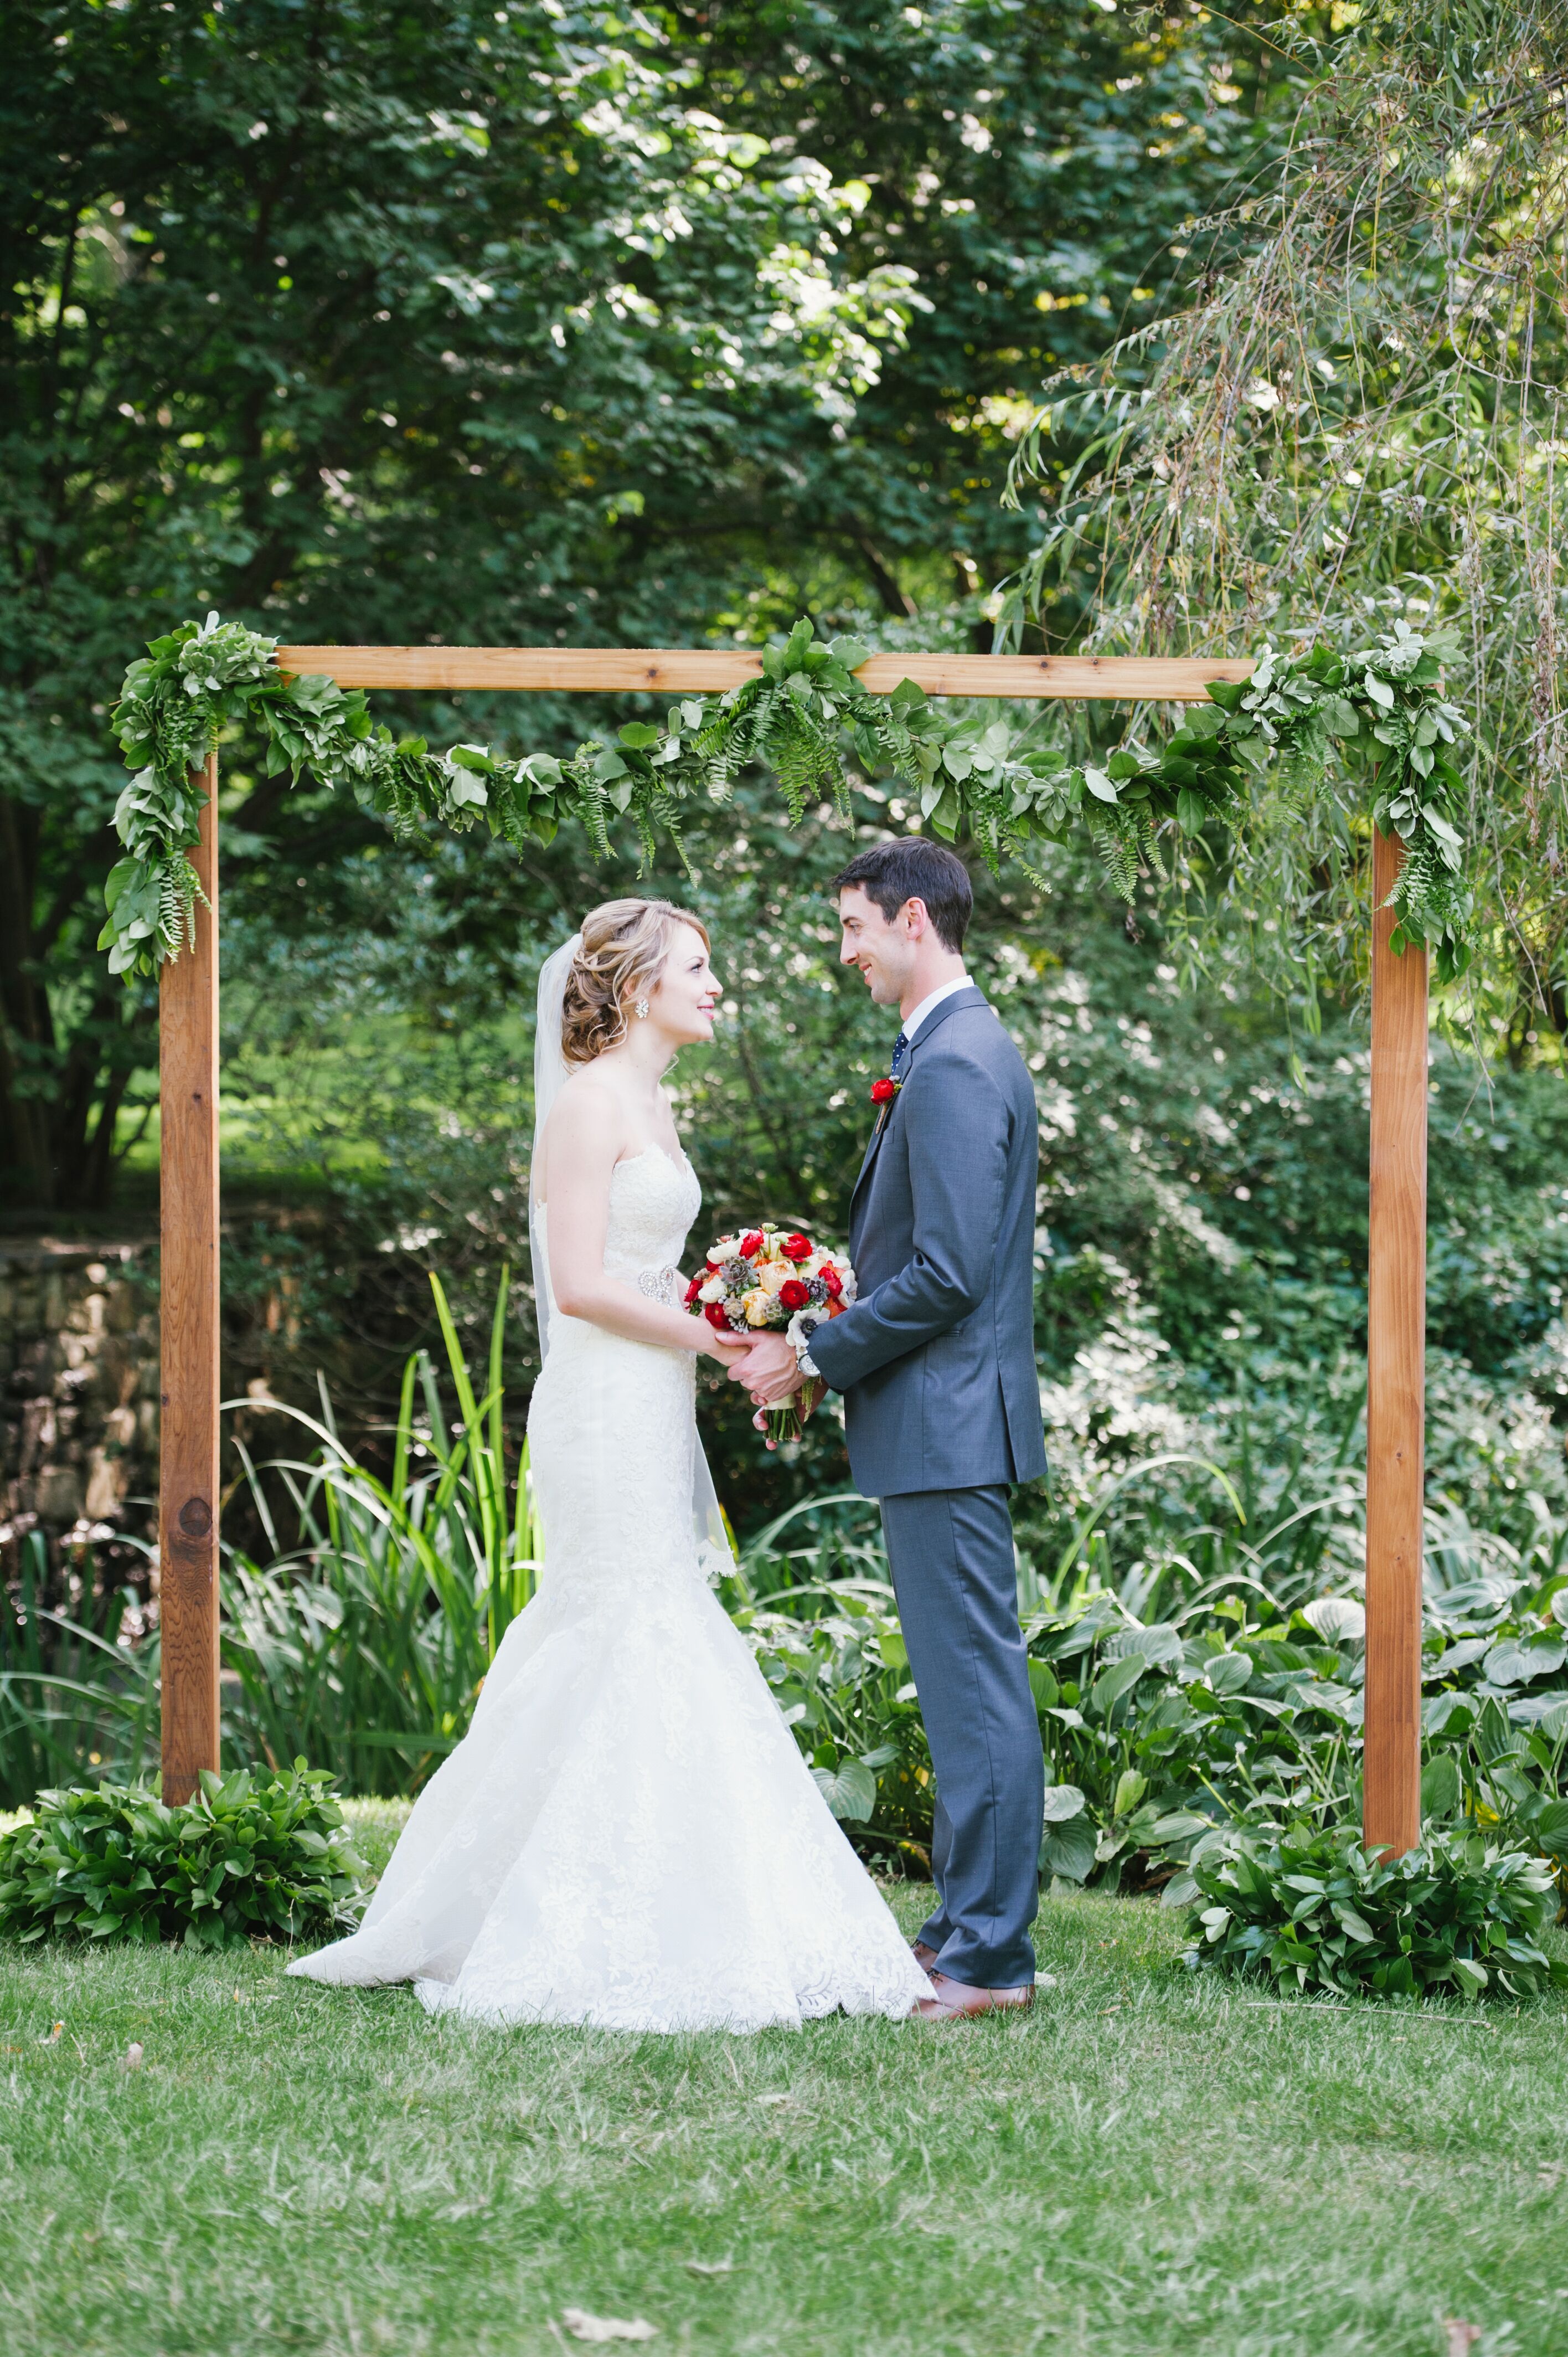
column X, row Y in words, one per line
column 900, row 1049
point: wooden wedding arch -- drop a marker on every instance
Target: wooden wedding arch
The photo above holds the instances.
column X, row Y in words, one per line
column 188, row 1474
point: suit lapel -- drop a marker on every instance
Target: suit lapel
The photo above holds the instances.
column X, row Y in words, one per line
column 969, row 996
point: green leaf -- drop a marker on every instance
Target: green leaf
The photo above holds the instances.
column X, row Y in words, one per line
column 1043, row 1684
column 124, row 872
column 1131, row 1788
column 850, row 1790
column 1115, row 1681
column 1229, row 1673
column 639, row 734
column 1067, row 1850
column 1550, row 1829
column 1440, row 1786
column 1518, row 1660
column 1063, row 1803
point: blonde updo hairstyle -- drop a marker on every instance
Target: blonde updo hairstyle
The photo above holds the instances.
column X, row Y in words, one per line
column 624, row 949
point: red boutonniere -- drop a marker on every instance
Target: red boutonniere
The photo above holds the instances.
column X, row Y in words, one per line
column 884, row 1092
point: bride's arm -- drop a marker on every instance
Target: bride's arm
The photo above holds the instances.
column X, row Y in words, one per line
column 583, row 1139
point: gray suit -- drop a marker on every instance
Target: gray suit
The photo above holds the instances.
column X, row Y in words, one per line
column 935, row 1363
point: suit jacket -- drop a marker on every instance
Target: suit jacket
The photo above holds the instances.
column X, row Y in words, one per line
column 936, row 1360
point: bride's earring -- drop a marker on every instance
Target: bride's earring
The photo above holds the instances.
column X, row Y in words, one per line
column 641, row 1010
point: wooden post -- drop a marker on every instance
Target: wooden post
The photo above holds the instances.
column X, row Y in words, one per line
column 188, row 1438
column 1396, row 1376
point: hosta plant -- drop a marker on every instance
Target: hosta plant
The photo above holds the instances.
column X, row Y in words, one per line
column 246, row 1856
column 1457, row 1916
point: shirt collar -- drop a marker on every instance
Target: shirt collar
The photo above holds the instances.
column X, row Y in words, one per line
column 913, row 1022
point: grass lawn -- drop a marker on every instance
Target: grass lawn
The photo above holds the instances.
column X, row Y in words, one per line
column 1147, row 2163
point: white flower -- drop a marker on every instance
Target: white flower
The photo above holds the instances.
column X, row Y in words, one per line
column 714, row 1290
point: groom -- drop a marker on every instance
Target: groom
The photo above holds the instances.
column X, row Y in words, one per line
column 935, row 1363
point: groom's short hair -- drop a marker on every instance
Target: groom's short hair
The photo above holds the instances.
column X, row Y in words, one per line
column 914, row 869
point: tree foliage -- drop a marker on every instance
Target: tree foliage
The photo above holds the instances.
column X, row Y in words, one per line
column 512, row 327
column 1354, row 413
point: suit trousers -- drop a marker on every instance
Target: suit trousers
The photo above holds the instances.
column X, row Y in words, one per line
column 950, row 1552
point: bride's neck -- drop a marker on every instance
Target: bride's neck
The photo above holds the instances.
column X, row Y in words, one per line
column 645, row 1055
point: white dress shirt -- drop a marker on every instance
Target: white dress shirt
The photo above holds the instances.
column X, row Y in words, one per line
column 912, row 1023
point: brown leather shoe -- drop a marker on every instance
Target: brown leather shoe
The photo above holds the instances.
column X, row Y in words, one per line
column 953, row 2000
column 924, row 1956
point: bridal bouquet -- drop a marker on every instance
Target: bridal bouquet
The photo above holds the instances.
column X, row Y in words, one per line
column 774, row 1280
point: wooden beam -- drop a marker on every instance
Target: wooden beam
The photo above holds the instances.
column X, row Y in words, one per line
column 1396, row 1376
column 693, row 671
column 189, row 1343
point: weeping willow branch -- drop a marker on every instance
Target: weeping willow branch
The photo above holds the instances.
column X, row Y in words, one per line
column 1355, row 421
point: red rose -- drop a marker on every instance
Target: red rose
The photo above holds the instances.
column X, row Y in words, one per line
column 751, row 1243
column 793, row 1294
column 714, row 1313
column 694, row 1288
column 796, row 1247
column 831, row 1279
column 884, row 1092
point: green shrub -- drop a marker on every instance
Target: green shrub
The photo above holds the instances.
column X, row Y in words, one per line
column 1455, row 1916
column 245, row 1857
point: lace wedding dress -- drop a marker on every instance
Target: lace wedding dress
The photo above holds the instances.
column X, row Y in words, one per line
column 628, row 1835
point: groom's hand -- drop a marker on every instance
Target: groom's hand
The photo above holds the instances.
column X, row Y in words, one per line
column 769, row 1371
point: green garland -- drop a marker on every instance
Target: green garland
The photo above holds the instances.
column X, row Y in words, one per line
column 1385, row 704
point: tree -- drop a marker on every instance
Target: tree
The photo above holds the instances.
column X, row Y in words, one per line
column 1354, row 419
column 509, row 326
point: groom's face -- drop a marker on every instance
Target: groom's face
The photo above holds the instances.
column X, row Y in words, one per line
column 884, row 948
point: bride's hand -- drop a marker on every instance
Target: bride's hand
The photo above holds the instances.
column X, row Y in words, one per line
column 721, row 1343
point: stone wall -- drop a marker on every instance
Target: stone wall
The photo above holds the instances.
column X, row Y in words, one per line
column 78, row 1389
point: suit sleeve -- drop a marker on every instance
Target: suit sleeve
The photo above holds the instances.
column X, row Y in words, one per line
column 958, row 1128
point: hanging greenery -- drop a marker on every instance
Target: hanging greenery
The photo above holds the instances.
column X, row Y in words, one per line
column 1383, row 708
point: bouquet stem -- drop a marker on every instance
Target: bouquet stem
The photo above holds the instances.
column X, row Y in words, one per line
column 787, row 1421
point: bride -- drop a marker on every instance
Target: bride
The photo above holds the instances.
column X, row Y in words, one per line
column 627, row 1837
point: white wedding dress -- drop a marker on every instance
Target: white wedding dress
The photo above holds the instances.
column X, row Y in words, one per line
column 627, row 1837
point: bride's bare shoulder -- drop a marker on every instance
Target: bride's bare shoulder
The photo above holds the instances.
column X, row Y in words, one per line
column 587, row 1116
